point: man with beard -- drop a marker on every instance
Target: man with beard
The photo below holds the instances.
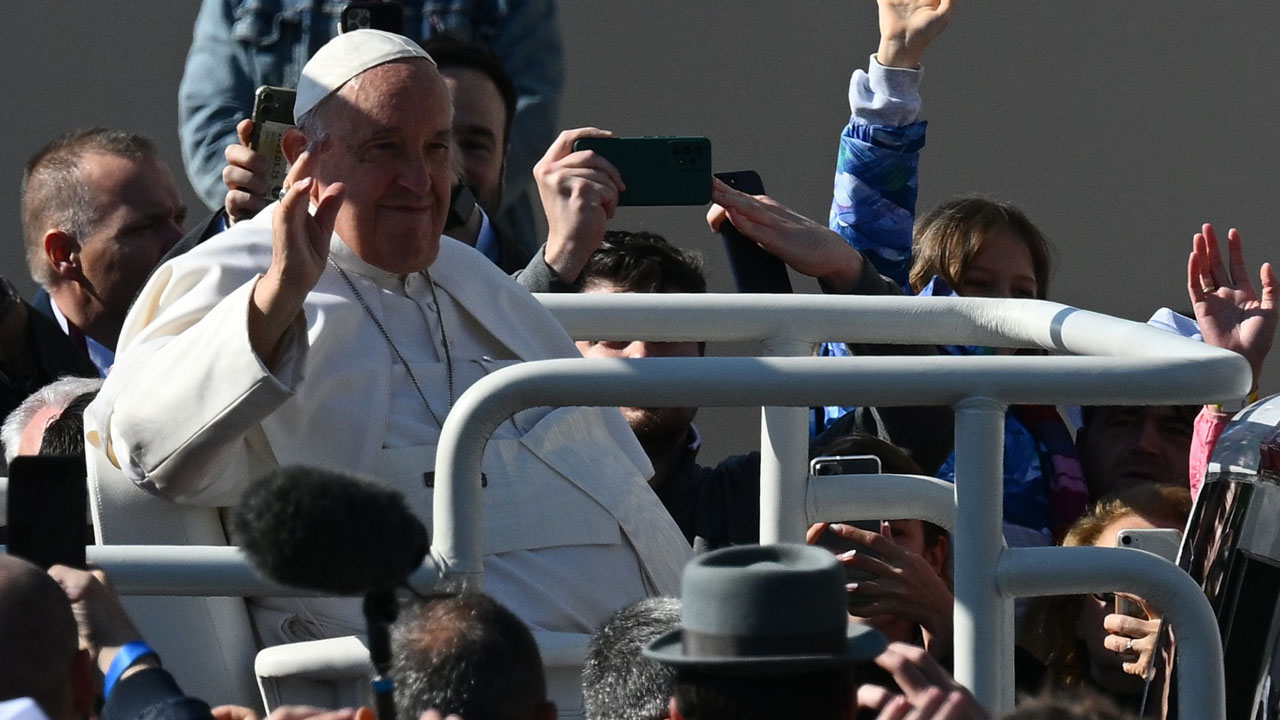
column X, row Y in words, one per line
column 713, row 506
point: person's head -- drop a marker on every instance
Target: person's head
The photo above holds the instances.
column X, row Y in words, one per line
column 763, row 634
column 643, row 262
column 467, row 654
column 42, row 658
column 25, row 426
column 1066, row 631
column 65, row 434
column 926, row 539
column 99, row 210
column 981, row 248
column 375, row 115
column 1122, row 446
column 484, row 104
column 618, row 683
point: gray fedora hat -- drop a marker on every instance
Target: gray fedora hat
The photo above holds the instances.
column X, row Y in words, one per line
column 765, row 609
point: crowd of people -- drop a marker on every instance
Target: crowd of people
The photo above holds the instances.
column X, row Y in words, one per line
column 336, row 325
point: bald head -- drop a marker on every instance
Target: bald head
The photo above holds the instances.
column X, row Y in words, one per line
column 38, row 636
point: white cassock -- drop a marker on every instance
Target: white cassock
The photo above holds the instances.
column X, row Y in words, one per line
column 572, row 530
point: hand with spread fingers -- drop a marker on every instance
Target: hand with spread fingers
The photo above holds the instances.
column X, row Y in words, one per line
column 579, row 192
column 1230, row 312
column 903, row 584
column 300, row 248
column 907, row 27
column 806, row 246
column 1134, row 639
column 929, row 692
column 246, row 177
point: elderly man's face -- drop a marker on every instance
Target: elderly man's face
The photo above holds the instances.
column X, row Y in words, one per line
column 389, row 138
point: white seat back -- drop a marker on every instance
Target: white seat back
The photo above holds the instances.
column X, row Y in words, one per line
column 207, row 643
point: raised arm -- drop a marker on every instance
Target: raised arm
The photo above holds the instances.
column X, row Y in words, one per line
column 876, row 180
column 579, row 193
column 1231, row 315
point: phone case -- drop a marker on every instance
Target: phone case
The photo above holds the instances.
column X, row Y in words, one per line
column 754, row 269
column 272, row 117
column 658, row 170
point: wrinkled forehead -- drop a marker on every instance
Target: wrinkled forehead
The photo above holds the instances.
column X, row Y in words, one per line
column 403, row 93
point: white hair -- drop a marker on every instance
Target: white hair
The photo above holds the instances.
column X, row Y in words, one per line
column 57, row 394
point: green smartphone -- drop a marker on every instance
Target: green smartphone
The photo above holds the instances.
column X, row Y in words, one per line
column 658, row 170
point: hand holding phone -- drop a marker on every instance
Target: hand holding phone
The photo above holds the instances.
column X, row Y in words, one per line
column 245, row 175
column 657, row 170
column 579, row 193
column 755, row 270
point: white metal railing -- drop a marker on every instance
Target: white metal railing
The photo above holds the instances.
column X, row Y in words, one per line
column 1124, row 363
column 1119, row 362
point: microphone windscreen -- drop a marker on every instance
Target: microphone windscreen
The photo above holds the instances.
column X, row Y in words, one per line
column 321, row 530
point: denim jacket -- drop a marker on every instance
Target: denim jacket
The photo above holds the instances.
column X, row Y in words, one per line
column 239, row 45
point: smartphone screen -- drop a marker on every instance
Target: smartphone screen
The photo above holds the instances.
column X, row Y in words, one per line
column 755, row 270
column 48, row 505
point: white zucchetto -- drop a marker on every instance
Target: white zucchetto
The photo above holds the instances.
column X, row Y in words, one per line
column 345, row 57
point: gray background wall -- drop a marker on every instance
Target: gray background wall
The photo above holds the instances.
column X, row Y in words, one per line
column 1118, row 127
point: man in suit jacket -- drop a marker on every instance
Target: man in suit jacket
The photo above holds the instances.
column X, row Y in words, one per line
column 99, row 209
column 336, row 329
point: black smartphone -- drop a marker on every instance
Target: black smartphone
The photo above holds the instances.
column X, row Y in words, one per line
column 388, row 16
column 657, row 170
column 48, row 510
column 754, row 269
column 272, row 117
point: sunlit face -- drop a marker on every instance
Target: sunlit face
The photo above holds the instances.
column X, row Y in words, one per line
column 479, row 126
column 389, row 143
column 1123, row 446
column 1002, row 268
column 645, row 422
column 138, row 216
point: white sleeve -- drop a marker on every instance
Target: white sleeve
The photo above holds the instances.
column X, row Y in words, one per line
column 887, row 96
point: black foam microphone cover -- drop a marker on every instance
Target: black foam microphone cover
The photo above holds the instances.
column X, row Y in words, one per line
column 321, row 530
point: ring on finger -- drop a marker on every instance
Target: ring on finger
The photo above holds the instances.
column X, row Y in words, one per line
column 1128, row 646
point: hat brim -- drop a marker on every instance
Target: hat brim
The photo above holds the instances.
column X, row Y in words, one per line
column 862, row 643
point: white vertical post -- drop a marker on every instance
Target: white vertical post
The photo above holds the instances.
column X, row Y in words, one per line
column 981, row 660
column 784, row 460
column 784, row 454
